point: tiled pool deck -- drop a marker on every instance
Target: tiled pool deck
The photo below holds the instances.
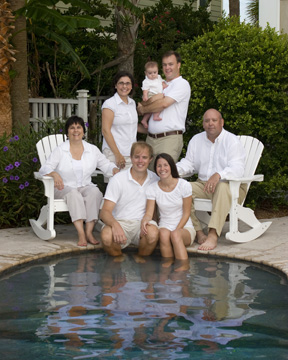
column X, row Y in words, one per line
column 19, row 246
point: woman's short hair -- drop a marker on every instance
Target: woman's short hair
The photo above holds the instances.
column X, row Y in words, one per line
column 171, row 162
column 118, row 76
column 74, row 119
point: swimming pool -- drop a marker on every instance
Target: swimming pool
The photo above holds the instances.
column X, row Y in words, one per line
column 89, row 306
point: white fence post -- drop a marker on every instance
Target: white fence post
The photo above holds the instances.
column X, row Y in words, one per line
column 83, row 104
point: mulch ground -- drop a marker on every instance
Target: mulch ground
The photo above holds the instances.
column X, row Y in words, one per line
column 267, row 211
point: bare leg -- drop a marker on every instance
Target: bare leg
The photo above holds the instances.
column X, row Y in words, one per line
column 180, row 239
column 109, row 245
column 145, row 120
column 148, row 242
column 211, row 241
column 156, row 116
column 166, row 248
column 89, row 233
column 81, row 233
column 201, row 237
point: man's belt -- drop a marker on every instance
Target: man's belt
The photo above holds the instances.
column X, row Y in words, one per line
column 157, row 136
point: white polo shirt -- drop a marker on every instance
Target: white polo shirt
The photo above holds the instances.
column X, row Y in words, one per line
column 125, row 123
column 128, row 195
column 174, row 116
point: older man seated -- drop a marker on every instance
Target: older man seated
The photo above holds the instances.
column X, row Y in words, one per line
column 215, row 154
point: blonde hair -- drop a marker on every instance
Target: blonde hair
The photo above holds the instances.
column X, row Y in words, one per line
column 142, row 145
column 151, row 64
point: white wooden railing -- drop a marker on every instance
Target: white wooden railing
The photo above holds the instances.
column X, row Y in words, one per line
column 44, row 109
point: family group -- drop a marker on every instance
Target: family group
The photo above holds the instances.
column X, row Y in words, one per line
column 147, row 199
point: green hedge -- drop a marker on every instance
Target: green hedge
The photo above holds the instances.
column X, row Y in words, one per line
column 241, row 70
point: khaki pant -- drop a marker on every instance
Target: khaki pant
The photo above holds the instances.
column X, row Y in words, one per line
column 83, row 203
column 171, row 145
column 221, row 203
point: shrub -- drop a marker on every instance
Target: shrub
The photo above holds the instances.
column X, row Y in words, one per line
column 21, row 195
column 241, row 70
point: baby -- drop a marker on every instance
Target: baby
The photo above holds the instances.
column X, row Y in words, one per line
column 152, row 84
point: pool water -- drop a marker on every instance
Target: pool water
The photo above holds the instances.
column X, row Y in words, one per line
column 89, row 306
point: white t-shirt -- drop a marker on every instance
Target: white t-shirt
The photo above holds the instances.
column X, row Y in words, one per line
column 125, row 123
column 128, row 195
column 174, row 116
column 153, row 86
column 170, row 204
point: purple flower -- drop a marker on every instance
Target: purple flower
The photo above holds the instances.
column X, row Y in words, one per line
column 87, row 124
column 16, row 137
column 17, row 164
column 11, row 177
column 5, row 180
column 16, row 178
column 5, row 148
column 26, row 184
column 34, row 159
column 7, row 168
column 60, row 130
column 21, row 187
column 11, row 166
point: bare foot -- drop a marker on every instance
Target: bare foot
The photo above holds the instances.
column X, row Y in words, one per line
column 184, row 266
column 145, row 124
column 82, row 240
column 201, row 237
column 210, row 243
column 157, row 118
column 167, row 263
column 139, row 259
column 92, row 240
column 82, row 243
column 120, row 258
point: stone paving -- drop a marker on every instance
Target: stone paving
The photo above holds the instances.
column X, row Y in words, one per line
column 19, row 246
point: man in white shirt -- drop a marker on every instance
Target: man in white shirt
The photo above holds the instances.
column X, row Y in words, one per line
column 166, row 135
column 125, row 204
column 215, row 154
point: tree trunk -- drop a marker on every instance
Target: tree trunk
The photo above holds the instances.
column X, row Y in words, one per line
column 234, row 8
column 19, row 88
column 127, row 29
column 6, row 59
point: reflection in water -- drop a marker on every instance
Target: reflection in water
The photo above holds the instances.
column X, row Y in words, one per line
column 91, row 306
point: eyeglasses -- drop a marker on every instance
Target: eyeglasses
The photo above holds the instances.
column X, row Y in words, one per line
column 121, row 83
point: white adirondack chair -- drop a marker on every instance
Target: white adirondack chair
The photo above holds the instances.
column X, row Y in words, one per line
column 254, row 149
column 44, row 148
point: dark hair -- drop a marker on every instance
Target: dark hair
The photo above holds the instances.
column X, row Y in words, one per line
column 122, row 74
column 74, row 119
column 170, row 53
column 171, row 162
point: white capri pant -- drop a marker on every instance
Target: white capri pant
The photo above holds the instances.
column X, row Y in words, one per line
column 83, row 202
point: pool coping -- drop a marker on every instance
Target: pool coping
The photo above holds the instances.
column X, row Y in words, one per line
column 20, row 246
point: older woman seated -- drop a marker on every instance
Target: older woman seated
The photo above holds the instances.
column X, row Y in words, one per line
column 71, row 165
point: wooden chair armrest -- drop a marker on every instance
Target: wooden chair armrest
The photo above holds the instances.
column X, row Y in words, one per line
column 258, row 177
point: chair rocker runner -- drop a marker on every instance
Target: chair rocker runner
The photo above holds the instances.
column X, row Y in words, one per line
column 253, row 148
column 45, row 147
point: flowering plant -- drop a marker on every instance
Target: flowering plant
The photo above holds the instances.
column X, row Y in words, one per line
column 21, row 195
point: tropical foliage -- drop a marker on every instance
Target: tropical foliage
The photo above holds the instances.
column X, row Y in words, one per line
column 242, row 71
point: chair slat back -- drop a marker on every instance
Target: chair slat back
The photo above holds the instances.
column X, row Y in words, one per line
column 254, row 149
column 46, row 145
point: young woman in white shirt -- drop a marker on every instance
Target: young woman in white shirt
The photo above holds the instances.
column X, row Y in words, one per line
column 120, row 121
column 173, row 197
column 71, row 165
